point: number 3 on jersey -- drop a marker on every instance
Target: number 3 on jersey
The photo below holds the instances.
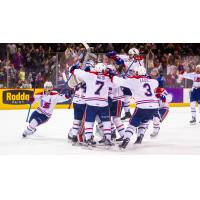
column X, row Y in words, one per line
column 148, row 90
column 100, row 84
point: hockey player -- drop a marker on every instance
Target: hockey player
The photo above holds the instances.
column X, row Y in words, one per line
column 164, row 99
column 195, row 92
column 78, row 103
column 96, row 98
column 48, row 100
column 142, row 89
column 129, row 63
column 115, row 105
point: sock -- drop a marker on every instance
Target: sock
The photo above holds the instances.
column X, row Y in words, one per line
column 88, row 130
column 119, row 125
column 129, row 131
column 76, row 127
column 126, row 103
column 156, row 124
column 107, row 129
column 193, row 109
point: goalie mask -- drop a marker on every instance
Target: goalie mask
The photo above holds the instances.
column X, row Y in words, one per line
column 48, row 87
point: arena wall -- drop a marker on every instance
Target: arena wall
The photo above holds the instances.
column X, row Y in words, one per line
column 11, row 99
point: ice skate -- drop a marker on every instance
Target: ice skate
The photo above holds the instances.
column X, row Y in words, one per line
column 124, row 144
column 193, row 121
column 102, row 141
column 139, row 139
column 155, row 133
column 90, row 142
column 120, row 139
column 74, row 140
column 28, row 133
column 127, row 115
column 108, row 143
column 113, row 135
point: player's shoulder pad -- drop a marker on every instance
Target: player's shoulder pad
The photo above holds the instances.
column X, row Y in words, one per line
column 54, row 93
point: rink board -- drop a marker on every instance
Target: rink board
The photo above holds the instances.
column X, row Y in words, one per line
column 13, row 99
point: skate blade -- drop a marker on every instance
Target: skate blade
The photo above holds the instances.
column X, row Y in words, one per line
column 121, row 149
column 193, row 124
column 153, row 136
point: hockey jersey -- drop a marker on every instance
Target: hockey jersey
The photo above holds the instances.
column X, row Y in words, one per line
column 97, row 87
column 142, row 90
column 80, row 93
column 131, row 64
column 194, row 77
column 48, row 102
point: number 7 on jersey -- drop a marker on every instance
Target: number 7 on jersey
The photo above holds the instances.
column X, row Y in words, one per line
column 101, row 84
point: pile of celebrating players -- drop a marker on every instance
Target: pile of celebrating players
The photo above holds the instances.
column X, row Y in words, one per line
column 102, row 90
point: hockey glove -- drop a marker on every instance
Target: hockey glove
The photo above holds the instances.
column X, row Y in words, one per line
column 73, row 67
column 111, row 74
column 31, row 100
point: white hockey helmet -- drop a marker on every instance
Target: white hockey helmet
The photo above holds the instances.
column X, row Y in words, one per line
column 198, row 67
column 140, row 70
column 100, row 67
column 133, row 51
column 48, row 86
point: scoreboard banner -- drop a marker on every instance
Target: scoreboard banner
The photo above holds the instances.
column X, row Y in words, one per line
column 18, row 99
column 11, row 99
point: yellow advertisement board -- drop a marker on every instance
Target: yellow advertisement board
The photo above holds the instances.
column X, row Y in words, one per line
column 12, row 99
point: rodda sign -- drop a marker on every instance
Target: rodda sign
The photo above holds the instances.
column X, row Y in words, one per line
column 16, row 97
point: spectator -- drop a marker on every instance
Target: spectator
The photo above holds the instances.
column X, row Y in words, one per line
column 22, row 75
column 172, row 77
column 150, row 60
column 2, row 77
column 45, row 59
column 18, row 60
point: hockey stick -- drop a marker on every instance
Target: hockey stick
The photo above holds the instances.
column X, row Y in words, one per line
column 30, row 105
column 126, row 72
column 87, row 47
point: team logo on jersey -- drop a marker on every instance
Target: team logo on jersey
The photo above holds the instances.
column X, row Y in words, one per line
column 16, row 97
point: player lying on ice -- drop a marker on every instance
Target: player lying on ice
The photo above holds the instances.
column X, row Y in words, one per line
column 47, row 101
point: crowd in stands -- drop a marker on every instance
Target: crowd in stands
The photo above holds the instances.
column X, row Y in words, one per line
column 19, row 62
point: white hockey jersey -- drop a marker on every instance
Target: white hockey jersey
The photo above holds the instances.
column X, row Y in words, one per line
column 131, row 64
column 142, row 90
column 80, row 94
column 194, row 77
column 97, row 87
column 48, row 102
column 117, row 93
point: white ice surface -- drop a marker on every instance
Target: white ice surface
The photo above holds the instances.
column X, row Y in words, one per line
column 176, row 136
